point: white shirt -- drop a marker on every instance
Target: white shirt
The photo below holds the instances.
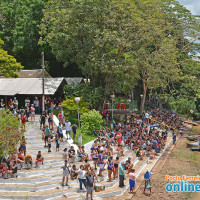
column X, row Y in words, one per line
column 82, row 174
column 68, row 126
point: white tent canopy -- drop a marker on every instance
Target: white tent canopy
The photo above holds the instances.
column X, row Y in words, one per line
column 29, row 86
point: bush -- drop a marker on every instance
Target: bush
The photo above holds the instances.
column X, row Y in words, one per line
column 9, row 133
column 90, row 121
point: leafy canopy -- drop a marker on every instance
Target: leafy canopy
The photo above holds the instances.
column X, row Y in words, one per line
column 8, row 64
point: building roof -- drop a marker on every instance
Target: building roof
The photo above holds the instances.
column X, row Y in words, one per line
column 74, row 80
column 29, row 86
column 33, row 73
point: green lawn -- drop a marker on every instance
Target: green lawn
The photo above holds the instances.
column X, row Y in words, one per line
column 195, row 130
column 85, row 138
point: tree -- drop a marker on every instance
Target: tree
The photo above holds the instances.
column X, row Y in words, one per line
column 86, row 33
column 8, row 64
column 19, row 29
column 9, row 133
column 70, row 108
column 91, row 121
column 84, row 90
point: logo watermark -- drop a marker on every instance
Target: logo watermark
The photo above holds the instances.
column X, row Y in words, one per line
column 183, row 186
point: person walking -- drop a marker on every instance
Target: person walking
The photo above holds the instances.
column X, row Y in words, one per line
column 121, row 174
column 68, row 129
column 147, row 178
column 66, row 172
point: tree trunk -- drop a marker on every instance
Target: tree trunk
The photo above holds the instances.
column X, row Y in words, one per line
column 144, row 86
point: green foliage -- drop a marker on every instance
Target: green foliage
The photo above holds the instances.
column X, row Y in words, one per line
column 19, row 29
column 9, row 133
column 70, row 108
column 90, row 121
column 86, row 91
column 8, row 64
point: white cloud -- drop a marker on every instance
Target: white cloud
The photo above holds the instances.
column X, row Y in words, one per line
column 192, row 5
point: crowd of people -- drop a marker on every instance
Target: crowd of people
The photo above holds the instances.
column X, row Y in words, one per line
column 145, row 134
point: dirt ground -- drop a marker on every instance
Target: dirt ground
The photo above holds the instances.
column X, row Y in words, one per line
column 181, row 161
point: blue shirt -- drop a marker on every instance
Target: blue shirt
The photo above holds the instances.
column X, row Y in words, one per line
column 120, row 170
column 147, row 175
column 155, row 143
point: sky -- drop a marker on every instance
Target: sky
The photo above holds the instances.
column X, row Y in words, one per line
column 192, row 5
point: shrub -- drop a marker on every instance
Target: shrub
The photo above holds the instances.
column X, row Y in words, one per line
column 90, row 121
column 9, row 132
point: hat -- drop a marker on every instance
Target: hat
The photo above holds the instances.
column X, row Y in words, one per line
column 14, row 97
column 147, row 170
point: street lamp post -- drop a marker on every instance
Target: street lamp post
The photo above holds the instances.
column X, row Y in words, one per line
column 43, row 96
column 112, row 96
column 77, row 99
column 141, row 107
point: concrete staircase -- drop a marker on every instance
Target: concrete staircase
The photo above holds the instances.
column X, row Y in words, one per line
column 44, row 182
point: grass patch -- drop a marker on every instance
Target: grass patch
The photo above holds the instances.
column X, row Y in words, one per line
column 195, row 130
column 187, row 155
column 85, row 138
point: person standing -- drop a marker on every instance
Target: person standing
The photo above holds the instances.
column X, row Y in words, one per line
column 27, row 102
column 74, row 127
column 110, row 168
column 43, row 119
column 50, row 120
column 147, row 178
column 37, row 105
column 23, row 145
column 174, row 138
column 32, row 112
column 89, row 184
column 57, row 142
column 101, row 163
column 66, row 172
column 132, row 180
column 15, row 104
column 121, row 174
column 23, row 119
column 68, row 129
column 60, row 131
column 47, row 133
column 81, row 177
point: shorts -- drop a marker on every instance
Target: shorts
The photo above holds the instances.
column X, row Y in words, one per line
column 23, row 146
column 132, row 184
column 95, row 159
column 32, row 113
column 57, row 145
column 28, row 162
column 42, row 122
column 49, row 145
column 65, row 173
column 46, row 138
column 60, row 135
column 68, row 132
column 89, row 189
column 101, row 166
